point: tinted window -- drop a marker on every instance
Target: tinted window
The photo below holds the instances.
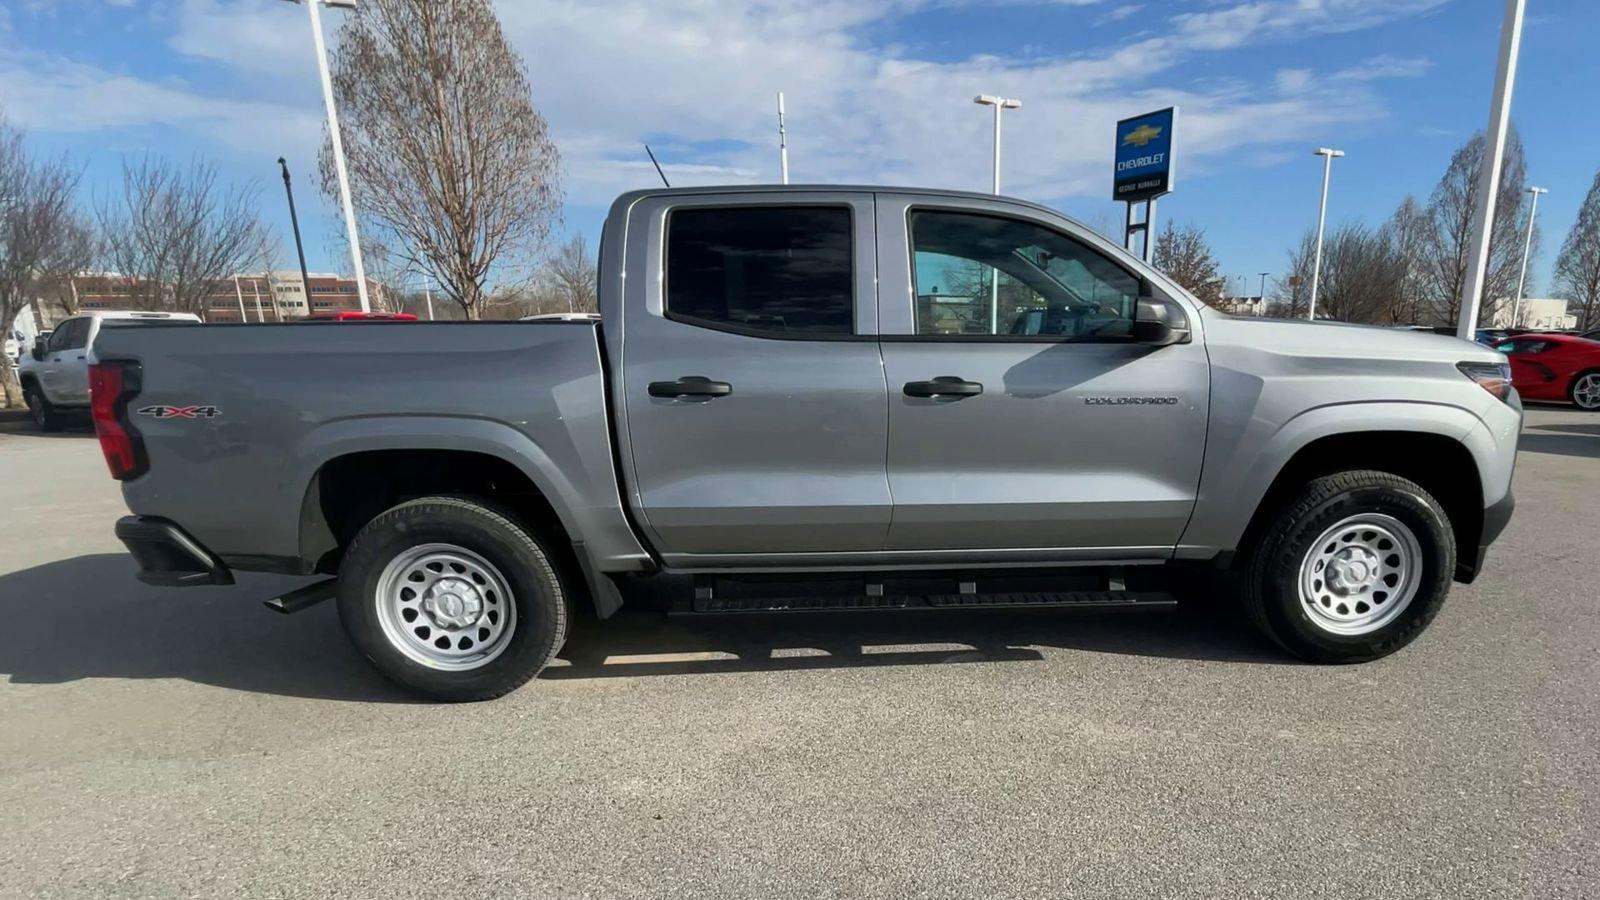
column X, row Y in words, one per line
column 985, row 275
column 777, row 269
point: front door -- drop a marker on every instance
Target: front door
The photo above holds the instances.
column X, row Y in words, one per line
column 64, row 373
column 753, row 389
column 1022, row 416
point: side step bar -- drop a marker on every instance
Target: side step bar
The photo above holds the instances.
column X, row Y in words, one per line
column 1029, row 600
column 959, row 590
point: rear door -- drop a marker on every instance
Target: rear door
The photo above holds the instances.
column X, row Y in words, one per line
column 1023, row 420
column 753, row 391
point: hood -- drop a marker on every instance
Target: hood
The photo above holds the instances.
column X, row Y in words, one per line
column 1343, row 339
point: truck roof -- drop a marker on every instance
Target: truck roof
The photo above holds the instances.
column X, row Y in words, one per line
column 632, row 196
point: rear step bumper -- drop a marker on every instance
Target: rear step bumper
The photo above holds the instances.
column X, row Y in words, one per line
column 167, row 555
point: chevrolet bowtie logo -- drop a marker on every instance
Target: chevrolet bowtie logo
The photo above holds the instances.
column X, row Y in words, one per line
column 1140, row 136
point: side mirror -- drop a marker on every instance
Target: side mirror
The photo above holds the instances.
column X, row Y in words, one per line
column 38, row 350
column 1158, row 322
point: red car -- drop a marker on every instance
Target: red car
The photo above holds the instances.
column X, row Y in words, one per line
column 1555, row 367
column 358, row 316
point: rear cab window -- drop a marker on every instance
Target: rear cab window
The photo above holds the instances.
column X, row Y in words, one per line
column 767, row 271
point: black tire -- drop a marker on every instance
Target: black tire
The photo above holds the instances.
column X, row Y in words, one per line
column 1271, row 588
column 537, row 630
column 45, row 417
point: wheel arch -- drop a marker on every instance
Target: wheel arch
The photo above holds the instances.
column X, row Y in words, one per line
column 1442, row 465
column 358, row 468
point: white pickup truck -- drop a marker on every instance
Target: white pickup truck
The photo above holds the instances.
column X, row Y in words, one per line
column 55, row 373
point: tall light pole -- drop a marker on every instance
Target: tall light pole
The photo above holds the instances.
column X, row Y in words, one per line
column 1489, row 176
column 1327, row 154
column 1527, row 245
column 999, row 103
column 1263, row 299
column 783, row 143
column 338, row 143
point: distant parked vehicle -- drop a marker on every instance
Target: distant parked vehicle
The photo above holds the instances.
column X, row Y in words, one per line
column 1555, row 367
column 563, row 317
column 354, row 315
column 55, row 375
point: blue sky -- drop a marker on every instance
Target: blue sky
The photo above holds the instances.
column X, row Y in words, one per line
column 878, row 91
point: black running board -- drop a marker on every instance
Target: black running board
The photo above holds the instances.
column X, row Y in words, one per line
column 1023, row 600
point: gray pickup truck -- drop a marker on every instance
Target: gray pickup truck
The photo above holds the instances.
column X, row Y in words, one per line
column 815, row 398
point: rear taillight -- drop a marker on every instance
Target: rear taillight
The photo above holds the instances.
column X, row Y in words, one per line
column 110, row 386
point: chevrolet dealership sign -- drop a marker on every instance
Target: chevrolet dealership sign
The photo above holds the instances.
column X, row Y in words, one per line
column 1144, row 156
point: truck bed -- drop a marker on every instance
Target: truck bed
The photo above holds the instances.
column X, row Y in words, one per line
column 272, row 404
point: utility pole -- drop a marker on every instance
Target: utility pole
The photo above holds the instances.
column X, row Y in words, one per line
column 1328, row 154
column 239, row 294
column 428, row 293
column 294, row 222
column 783, row 143
column 337, row 142
column 1489, row 175
column 1527, row 246
column 999, row 103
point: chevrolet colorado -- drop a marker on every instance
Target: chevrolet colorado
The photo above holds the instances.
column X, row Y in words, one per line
column 811, row 398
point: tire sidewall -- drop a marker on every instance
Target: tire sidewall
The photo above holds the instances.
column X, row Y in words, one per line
column 38, row 407
column 536, row 594
column 1285, row 610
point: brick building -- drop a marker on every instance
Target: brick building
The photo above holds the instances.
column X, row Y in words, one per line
column 275, row 296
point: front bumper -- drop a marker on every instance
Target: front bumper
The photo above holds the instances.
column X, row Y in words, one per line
column 167, row 555
column 1495, row 518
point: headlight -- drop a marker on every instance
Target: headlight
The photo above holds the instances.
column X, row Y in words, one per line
column 1492, row 377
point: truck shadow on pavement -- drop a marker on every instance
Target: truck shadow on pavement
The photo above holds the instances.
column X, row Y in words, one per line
column 88, row 617
column 642, row 640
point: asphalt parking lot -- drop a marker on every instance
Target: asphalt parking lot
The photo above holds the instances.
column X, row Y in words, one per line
column 191, row 742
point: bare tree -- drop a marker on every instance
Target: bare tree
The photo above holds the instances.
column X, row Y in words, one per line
column 450, row 163
column 571, row 275
column 1185, row 256
column 1408, row 234
column 1361, row 276
column 173, row 234
column 1292, row 297
column 1444, row 260
column 43, row 236
column 1578, row 266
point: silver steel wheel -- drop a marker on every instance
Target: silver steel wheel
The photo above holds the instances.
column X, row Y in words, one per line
column 1586, row 391
column 445, row 607
column 1360, row 574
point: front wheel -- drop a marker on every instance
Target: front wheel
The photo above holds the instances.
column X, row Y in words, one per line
column 452, row 599
column 1352, row 568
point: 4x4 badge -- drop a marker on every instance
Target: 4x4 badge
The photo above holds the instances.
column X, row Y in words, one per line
column 181, row 412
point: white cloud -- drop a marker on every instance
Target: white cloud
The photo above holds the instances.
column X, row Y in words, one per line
column 698, row 79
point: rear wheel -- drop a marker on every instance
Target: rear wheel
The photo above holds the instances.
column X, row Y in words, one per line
column 45, row 417
column 1585, row 391
column 1352, row 568
column 452, row 599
